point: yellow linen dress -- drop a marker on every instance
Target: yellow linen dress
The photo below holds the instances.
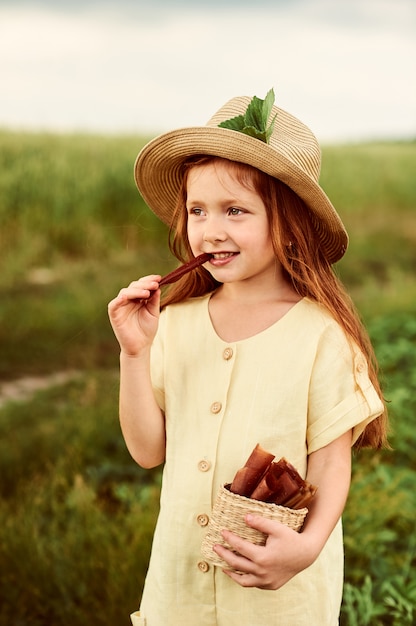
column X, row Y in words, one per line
column 293, row 388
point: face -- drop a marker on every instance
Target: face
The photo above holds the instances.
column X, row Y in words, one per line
column 228, row 219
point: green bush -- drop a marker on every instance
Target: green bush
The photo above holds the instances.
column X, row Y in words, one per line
column 379, row 519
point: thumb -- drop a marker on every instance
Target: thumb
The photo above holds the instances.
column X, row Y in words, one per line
column 153, row 303
column 264, row 525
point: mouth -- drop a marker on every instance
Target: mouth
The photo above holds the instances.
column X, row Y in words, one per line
column 222, row 255
column 218, row 259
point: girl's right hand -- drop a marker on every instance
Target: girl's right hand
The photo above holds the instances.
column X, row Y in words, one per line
column 134, row 315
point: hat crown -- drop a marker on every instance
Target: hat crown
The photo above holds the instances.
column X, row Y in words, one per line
column 290, row 137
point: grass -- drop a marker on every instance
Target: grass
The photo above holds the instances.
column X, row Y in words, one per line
column 76, row 514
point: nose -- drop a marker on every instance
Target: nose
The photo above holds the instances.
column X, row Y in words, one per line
column 214, row 231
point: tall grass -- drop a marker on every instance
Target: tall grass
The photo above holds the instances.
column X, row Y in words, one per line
column 374, row 189
column 76, row 514
column 68, row 198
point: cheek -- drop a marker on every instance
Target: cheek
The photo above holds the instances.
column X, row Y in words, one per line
column 189, row 232
column 266, row 235
column 193, row 231
column 193, row 237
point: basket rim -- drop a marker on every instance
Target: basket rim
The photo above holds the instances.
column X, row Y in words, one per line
column 270, row 506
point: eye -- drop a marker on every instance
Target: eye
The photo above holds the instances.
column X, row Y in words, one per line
column 235, row 211
column 195, row 211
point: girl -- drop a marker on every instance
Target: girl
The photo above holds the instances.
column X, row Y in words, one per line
column 260, row 345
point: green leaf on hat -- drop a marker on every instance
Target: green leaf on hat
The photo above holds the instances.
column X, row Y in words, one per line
column 254, row 121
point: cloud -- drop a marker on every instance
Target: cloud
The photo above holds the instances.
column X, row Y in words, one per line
column 343, row 68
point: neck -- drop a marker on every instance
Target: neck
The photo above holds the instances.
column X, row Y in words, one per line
column 258, row 291
column 241, row 311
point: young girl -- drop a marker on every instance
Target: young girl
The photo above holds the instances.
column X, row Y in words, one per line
column 260, row 345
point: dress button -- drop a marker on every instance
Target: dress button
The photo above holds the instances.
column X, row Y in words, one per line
column 216, row 407
column 202, row 519
column 204, row 465
column 203, row 566
column 360, row 366
column 227, row 354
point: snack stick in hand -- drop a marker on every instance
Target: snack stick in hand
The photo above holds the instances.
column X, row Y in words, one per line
column 248, row 477
column 176, row 274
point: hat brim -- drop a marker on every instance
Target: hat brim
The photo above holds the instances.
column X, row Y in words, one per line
column 158, row 175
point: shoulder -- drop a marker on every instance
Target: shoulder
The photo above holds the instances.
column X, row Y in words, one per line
column 316, row 313
column 316, row 317
column 319, row 326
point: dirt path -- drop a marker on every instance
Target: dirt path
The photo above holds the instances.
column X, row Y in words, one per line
column 23, row 389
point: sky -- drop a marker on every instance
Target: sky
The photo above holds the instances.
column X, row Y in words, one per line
column 346, row 68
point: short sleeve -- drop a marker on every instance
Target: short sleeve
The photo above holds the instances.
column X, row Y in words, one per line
column 341, row 395
column 157, row 370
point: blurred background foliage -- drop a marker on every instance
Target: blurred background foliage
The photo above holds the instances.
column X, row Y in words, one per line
column 76, row 513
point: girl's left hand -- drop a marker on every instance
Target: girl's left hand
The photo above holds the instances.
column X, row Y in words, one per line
column 285, row 554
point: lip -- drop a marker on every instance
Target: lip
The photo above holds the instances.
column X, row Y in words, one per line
column 218, row 259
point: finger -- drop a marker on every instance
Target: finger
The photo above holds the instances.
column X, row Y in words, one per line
column 113, row 304
column 245, row 580
column 236, row 561
column 147, row 282
column 243, row 570
column 267, row 526
column 245, row 548
column 153, row 302
column 137, row 293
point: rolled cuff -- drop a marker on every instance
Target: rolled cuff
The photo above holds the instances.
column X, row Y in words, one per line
column 136, row 620
column 355, row 412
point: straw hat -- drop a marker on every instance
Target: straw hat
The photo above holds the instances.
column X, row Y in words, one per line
column 292, row 155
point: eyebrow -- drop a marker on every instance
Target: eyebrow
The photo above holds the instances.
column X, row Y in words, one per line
column 229, row 201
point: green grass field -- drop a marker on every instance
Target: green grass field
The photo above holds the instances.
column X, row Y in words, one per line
column 76, row 513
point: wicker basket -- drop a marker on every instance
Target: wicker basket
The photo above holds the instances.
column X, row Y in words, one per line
column 229, row 513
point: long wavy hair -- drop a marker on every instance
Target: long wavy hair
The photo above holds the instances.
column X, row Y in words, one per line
column 298, row 249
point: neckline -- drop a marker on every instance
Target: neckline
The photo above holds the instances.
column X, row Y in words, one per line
column 279, row 322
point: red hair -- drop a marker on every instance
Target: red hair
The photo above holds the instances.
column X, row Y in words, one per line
column 298, row 248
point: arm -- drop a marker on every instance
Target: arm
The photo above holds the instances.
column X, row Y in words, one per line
column 287, row 552
column 330, row 468
column 135, row 320
column 142, row 421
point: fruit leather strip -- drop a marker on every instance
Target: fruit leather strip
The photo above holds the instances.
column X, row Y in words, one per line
column 302, row 498
column 294, row 500
column 276, row 486
column 248, row 477
column 172, row 277
column 292, row 471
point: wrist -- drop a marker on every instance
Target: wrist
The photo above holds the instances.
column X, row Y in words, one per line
column 313, row 544
column 134, row 358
